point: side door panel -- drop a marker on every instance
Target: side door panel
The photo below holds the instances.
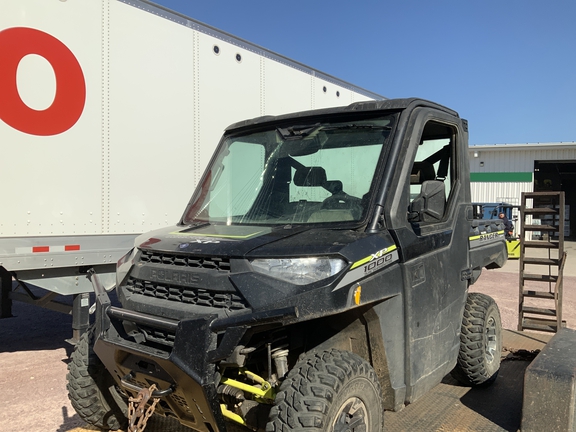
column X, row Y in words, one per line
column 433, row 253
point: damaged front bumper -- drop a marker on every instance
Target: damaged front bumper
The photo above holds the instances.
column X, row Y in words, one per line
column 185, row 375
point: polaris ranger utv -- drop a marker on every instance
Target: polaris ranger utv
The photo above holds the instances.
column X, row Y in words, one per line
column 318, row 276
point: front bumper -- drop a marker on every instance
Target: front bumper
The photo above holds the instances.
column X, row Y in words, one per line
column 186, row 375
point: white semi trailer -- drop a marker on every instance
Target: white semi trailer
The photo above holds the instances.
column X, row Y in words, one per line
column 109, row 112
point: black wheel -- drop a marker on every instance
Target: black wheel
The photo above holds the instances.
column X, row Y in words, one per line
column 480, row 342
column 91, row 389
column 333, row 391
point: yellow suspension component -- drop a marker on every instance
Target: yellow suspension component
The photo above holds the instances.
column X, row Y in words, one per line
column 264, row 393
column 232, row 416
column 253, row 376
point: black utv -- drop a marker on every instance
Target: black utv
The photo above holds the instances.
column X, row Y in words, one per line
column 318, row 276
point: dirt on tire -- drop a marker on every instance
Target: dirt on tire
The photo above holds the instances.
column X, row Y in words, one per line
column 88, row 384
column 480, row 342
column 317, row 389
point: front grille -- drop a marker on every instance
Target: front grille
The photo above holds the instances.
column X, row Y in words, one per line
column 187, row 295
column 209, row 263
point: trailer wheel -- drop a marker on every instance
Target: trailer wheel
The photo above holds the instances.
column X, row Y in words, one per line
column 480, row 342
column 91, row 389
column 334, row 391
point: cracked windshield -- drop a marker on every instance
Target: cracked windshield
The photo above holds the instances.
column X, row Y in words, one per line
column 303, row 174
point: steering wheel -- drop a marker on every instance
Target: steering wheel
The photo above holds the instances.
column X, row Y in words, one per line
column 343, row 201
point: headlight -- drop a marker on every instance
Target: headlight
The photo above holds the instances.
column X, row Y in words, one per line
column 124, row 265
column 299, row 271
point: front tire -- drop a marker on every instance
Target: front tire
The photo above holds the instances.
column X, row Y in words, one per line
column 332, row 391
column 480, row 342
column 91, row 389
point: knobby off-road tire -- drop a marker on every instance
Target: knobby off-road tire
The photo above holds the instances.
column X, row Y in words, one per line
column 480, row 342
column 91, row 388
column 329, row 391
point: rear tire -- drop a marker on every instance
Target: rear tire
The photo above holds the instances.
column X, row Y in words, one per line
column 480, row 342
column 92, row 390
column 331, row 391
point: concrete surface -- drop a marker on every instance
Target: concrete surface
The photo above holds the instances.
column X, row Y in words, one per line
column 512, row 265
column 34, row 357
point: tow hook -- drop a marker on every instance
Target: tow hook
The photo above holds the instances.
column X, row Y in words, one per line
column 133, row 387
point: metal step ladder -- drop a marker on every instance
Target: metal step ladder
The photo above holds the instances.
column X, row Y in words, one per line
column 542, row 217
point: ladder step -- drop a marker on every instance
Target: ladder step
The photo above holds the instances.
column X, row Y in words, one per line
column 538, row 294
column 540, row 278
column 540, row 211
column 540, row 228
column 549, row 194
column 541, row 244
column 539, row 311
column 541, row 261
column 540, row 324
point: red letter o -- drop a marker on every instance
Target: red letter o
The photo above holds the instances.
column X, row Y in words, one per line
column 68, row 104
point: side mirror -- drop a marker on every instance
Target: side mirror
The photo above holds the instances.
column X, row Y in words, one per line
column 430, row 204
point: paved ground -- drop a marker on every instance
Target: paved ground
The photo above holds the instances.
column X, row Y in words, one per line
column 34, row 356
column 33, row 360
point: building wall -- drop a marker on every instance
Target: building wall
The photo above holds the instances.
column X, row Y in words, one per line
column 516, row 157
column 509, row 192
column 502, row 172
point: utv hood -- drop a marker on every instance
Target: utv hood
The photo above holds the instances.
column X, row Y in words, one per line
column 242, row 241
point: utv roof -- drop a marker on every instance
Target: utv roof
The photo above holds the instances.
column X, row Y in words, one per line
column 375, row 105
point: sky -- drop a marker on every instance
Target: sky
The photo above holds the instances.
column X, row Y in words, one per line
column 507, row 66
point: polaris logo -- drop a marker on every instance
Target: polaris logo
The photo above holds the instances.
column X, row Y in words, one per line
column 176, row 277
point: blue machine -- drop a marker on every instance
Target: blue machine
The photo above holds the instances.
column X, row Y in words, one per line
column 491, row 211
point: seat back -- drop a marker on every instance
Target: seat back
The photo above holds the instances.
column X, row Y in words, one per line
column 430, row 203
column 422, row 171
